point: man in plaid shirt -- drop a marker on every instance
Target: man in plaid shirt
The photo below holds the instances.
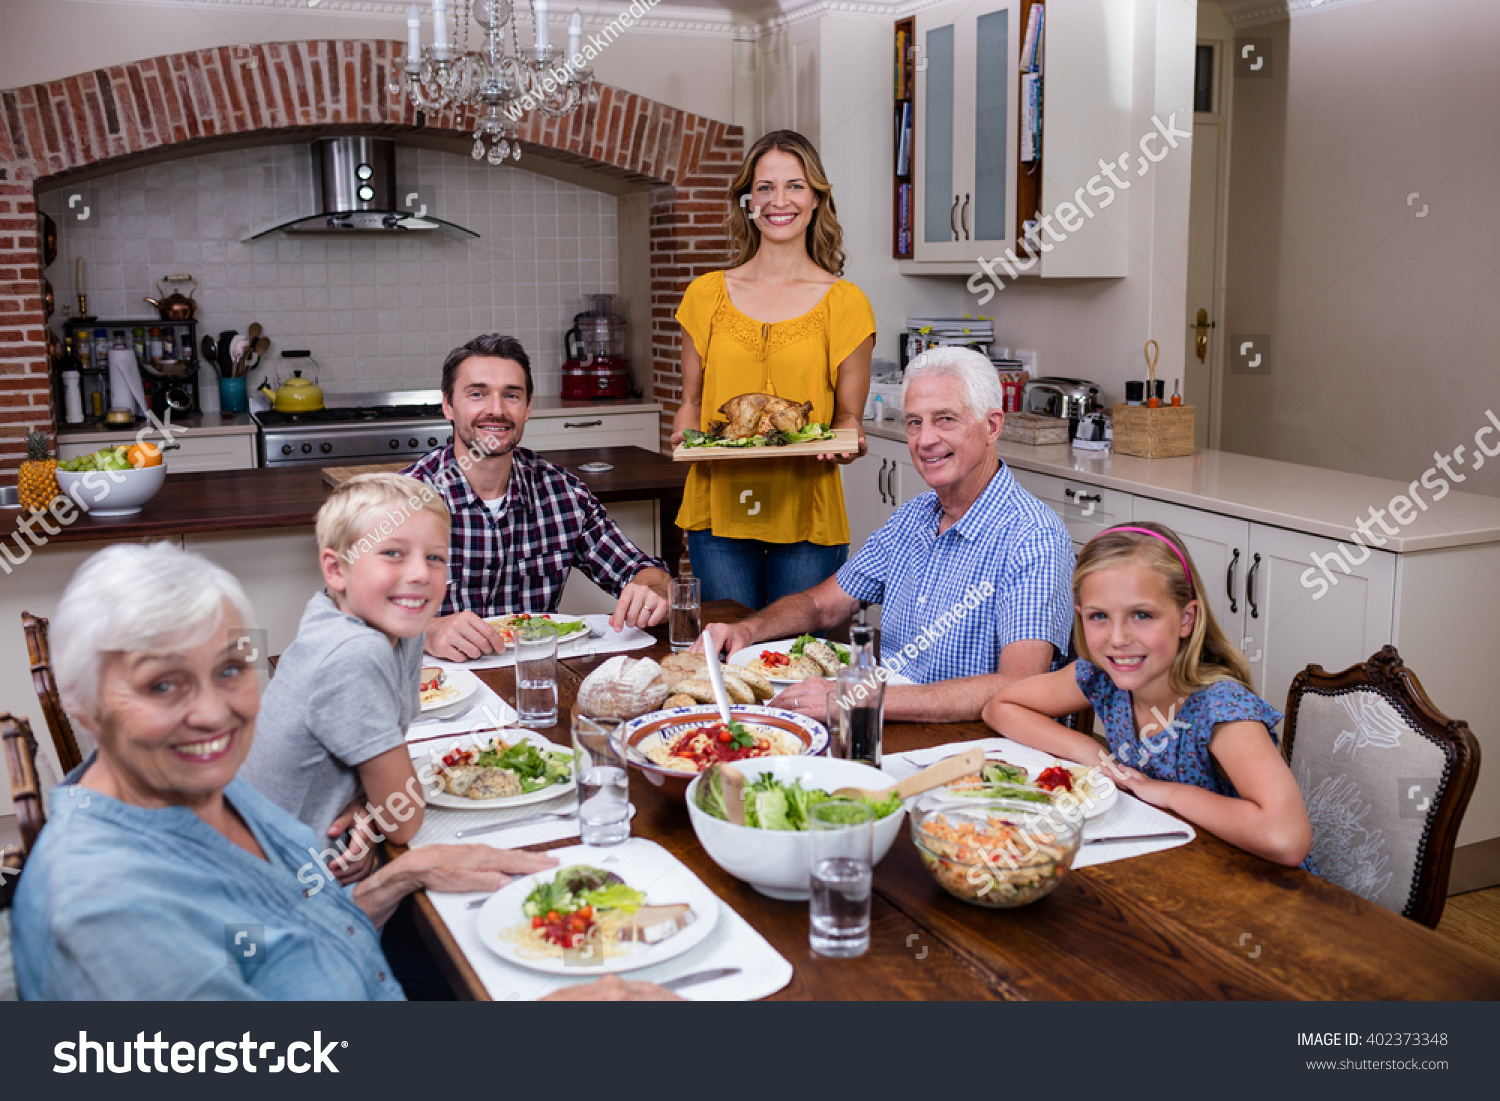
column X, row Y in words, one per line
column 520, row 524
column 974, row 579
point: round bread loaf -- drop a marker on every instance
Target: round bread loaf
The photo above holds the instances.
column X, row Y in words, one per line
column 622, row 688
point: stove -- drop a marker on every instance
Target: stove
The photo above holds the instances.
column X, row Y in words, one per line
column 383, row 426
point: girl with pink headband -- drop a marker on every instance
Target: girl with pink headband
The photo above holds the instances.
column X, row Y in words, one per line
column 1185, row 730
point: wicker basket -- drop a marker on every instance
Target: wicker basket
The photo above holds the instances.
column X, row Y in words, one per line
column 1034, row 429
column 1162, row 433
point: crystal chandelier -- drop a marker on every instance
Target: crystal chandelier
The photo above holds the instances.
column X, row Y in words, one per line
column 501, row 86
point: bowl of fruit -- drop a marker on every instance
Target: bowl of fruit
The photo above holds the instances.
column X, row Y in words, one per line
column 114, row 481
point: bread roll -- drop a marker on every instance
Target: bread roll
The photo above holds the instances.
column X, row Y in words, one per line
column 697, row 687
column 622, row 688
column 754, row 681
column 678, row 699
column 686, row 664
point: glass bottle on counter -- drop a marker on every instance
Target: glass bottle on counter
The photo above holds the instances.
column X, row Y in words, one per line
column 153, row 345
column 138, row 343
column 101, row 349
column 856, row 709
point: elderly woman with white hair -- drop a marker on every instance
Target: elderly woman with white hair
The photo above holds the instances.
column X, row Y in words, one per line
column 160, row 874
column 973, row 576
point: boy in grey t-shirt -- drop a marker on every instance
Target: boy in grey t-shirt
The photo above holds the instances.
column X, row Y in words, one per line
column 330, row 742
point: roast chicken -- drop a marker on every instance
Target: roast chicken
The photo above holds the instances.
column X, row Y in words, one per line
column 758, row 414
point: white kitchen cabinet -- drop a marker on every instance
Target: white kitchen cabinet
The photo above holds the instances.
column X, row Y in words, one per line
column 1085, row 509
column 964, row 198
column 967, row 130
column 865, row 497
column 194, row 452
column 1219, row 546
column 593, row 429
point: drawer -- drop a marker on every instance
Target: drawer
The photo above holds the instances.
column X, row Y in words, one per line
column 194, row 453
column 1085, row 509
column 590, row 429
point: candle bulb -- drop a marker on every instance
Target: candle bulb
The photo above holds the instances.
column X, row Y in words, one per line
column 79, row 289
column 575, row 33
column 439, row 23
column 539, row 8
column 413, row 34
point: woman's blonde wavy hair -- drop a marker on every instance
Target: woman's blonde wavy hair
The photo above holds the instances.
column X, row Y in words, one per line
column 1206, row 655
column 825, row 237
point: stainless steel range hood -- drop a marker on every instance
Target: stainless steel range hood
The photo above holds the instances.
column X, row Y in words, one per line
column 356, row 180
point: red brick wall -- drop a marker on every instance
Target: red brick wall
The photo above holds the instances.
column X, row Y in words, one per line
column 190, row 99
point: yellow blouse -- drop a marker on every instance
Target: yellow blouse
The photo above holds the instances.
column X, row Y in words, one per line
column 773, row 500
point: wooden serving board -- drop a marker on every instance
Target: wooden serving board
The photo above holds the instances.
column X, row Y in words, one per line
column 338, row 475
column 845, row 442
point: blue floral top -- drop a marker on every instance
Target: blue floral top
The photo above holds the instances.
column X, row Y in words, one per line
column 1178, row 749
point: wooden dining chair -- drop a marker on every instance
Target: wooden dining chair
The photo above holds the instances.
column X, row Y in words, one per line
column 63, row 739
column 26, row 794
column 1386, row 777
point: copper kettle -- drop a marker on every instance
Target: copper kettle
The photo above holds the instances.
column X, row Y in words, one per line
column 175, row 306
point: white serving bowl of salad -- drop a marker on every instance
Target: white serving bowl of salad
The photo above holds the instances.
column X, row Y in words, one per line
column 773, row 857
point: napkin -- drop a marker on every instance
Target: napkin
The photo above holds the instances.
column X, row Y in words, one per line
column 488, row 710
column 125, row 390
column 1128, row 817
column 733, row 943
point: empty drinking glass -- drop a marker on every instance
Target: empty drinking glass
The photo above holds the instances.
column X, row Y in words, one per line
column 536, row 673
column 686, row 614
column 603, row 784
column 842, row 839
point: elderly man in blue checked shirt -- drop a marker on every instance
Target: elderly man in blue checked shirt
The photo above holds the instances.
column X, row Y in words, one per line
column 974, row 577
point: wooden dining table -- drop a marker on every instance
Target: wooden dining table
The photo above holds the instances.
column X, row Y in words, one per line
column 1201, row 921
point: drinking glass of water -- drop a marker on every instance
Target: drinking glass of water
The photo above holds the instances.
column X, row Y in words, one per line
column 686, row 616
column 842, row 840
column 536, row 673
column 603, row 784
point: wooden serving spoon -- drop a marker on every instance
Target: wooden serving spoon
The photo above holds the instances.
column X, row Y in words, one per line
column 732, row 781
column 945, row 771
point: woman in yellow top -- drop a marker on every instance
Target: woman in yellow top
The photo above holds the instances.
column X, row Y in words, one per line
column 779, row 321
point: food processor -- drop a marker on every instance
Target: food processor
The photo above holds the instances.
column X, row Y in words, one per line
column 595, row 345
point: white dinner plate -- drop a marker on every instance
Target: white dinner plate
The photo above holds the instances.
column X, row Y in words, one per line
column 580, row 632
column 784, row 646
column 440, row 798
column 663, row 887
column 466, row 683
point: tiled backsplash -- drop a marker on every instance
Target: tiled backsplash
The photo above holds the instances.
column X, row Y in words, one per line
column 376, row 313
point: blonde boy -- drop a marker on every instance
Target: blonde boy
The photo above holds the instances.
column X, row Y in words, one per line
column 330, row 741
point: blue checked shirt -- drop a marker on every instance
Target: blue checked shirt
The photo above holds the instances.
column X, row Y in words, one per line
column 519, row 560
column 952, row 602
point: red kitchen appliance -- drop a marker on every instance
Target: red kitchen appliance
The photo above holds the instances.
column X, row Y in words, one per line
column 596, row 366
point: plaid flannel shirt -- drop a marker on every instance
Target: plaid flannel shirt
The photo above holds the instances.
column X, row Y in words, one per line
column 519, row 560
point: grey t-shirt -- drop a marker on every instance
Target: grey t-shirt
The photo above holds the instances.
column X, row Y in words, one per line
column 342, row 694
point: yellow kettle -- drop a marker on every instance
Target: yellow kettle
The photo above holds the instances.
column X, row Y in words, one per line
column 297, row 395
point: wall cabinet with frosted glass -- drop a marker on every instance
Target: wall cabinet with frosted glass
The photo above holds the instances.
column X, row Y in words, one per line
column 967, row 175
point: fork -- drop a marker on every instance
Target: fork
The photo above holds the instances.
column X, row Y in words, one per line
column 558, row 812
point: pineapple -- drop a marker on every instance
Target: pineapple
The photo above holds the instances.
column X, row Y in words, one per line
column 37, row 484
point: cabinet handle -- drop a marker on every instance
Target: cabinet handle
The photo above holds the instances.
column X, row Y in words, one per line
column 880, row 482
column 952, row 212
column 890, row 481
column 1229, row 580
column 1082, row 498
column 582, row 424
column 963, row 217
column 1250, row 588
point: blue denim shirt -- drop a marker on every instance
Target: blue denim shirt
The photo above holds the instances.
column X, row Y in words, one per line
column 121, row 902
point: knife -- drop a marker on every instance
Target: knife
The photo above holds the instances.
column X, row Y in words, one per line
column 475, row 831
column 1175, row 835
column 699, row 976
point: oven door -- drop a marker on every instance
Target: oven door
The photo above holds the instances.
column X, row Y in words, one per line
column 340, row 445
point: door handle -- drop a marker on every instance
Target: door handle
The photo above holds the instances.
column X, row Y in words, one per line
column 952, row 212
column 1229, row 580
column 1250, row 588
column 890, row 482
column 582, row 424
column 880, row 481
column 1082, row 498
column 963, row 217
column 1200, row 342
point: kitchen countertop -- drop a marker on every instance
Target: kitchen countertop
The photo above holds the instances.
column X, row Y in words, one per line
column 262, row 498
column 197, row 424
column 1266, row 491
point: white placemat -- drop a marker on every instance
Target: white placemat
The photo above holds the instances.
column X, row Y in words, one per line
column 439, row 824
column 1128, row 817
column 613, row 642
column 733, row 943
column 486, row 712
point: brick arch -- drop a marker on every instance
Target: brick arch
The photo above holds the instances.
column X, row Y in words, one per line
column 184, row 100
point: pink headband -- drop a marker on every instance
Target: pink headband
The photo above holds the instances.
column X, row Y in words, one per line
column 1158, row 535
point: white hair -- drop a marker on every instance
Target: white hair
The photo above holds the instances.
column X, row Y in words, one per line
column 133, row 597
column 981, row 381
